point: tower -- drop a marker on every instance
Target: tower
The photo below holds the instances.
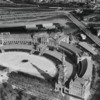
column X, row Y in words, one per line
column 60, row 84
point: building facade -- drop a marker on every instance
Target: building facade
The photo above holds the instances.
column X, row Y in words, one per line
column 80, row 88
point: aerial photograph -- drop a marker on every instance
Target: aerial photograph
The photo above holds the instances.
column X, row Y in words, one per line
column 49, row 49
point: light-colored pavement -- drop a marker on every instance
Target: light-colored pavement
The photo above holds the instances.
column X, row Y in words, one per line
column 14, row 61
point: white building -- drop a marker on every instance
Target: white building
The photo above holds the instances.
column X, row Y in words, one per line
column 80, row 88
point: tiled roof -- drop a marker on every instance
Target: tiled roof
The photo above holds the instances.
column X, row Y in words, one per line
column 88, row 47
column 79, row 81
column 71, row 48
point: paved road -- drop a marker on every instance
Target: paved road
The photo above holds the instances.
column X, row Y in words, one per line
column 79, row 24
column 82, row 27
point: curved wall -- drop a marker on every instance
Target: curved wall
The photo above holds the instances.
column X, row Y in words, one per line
column 25, row 41
column 82, row 67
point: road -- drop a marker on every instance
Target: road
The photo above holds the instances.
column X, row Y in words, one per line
column 82, row 27
column 79, row 24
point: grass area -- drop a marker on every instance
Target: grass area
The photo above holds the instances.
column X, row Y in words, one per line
column 8, row 93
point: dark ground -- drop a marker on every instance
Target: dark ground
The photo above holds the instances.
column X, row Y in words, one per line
column 95, row 86
column 8, row 93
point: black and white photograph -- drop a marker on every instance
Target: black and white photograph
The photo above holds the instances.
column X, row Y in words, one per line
column 49, row 49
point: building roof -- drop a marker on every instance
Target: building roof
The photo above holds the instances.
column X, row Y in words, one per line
column 88, row 47
column 79, row 82
column 70, row 47
column 17, row 37
column 55, row 54
column 77, row 87
column 63, row 38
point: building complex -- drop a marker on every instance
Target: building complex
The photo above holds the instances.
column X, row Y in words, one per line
column 44, row 60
